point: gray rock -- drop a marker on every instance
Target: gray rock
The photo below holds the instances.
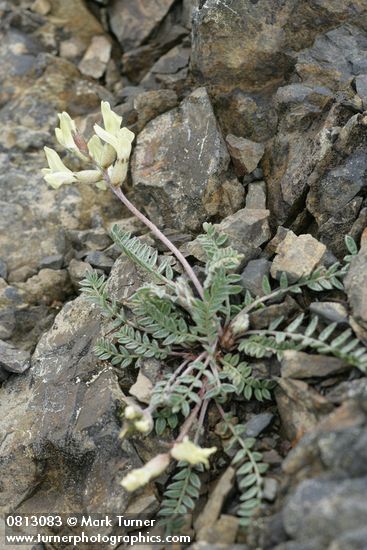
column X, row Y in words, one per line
column 243, row 44
column 92, row 239
column 296, row 364
column 258, row 424
column 331, row 311
column 334, row 58
column 328, row 507
column 297, row 256
column 271, row 487
column 251, row 116
column 68, row 405
column 12, row 359
column 253, row 274
column 353, row 540
column 170, row 70
column 48, row 286
column 247, row 229
column 99, row 260
column 77, row 271
column 245, row 154
column 52, row 262
column 96, row 58
column 300, row 407
column 356, row 284
column 361, row 87
column 7, row 322
column 262, row 317
column 256, row 196
column 132, row 24
column 179, row 166
column 3, row 269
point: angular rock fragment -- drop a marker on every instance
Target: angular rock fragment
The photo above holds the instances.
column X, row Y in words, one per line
column 356, row 284
column 96, row 58
column 13, row 359
column 296, row 364
column 245, row 154
column 179, row 166
column 297, row 256
column 132, row 23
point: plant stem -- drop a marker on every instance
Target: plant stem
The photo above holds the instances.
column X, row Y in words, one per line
column 154, row 229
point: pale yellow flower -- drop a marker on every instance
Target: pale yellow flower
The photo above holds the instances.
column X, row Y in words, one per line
column 141, row 476
column 103, row 154
column 65, row 133
column 57, row 174
column 120, row 141
column 191, row 453
column 112, row 121
column 117, row 173
column 88, row 176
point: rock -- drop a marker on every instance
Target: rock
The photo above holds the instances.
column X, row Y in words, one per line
column 149, row 105
column 3, row 269
column 125, row 279
column 256, row 196
column 99, row 260
column 328, row 507
column 138, row 61
column 142, row 389
column 52, row 262
column 245, row 154
column 96, row 58
column 12, row 359
column 300, row 407
column 258, row 424
column 334, row 58
column 270, row 490
column 244, row 227
column 43, row 7
column 253, row 274
column 361, row 87
column 188, row 6
column 133, row 24
column 248, row 45
column 77, row 271
column 170, row 71
column 92, row 239
column 21, row 274
column 356, row 284
column 263, row 317
column 208, row 518
column 64, row 414
column 331, row 311
column 296, row 364
column 7, row 322
column 179, row 166
column 48, row 286
column 297, row 256
column 252, row 116
column 224, row 531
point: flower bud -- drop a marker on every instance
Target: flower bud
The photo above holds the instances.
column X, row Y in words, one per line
column 88, row 176
column 117, row 172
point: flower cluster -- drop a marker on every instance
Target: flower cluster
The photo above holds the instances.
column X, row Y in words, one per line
column 138, row 419
column 108, row 151
column 185, row 451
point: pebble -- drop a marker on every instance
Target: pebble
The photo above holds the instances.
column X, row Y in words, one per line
column 12, row 359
